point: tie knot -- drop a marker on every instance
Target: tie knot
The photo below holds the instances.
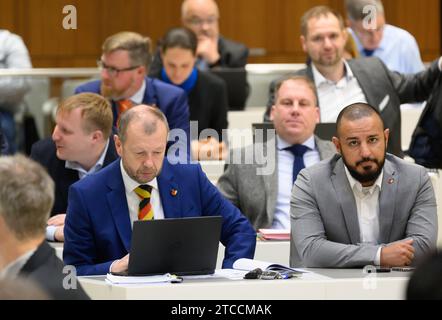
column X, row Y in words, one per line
column 143, row 191
column 368, row 52
column 298, row 150
column 124, row 105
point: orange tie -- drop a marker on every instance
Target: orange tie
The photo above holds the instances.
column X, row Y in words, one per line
column 123, row 105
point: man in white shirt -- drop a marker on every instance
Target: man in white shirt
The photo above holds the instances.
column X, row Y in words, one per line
column 81, row 145
column 340, row 83
column 13, row 55
column 363, row 206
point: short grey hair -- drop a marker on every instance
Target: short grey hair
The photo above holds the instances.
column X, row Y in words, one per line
column 355, row 8
column 138, row 113
column 26, row 196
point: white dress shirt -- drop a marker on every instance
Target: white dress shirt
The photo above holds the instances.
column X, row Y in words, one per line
column 286, row 158
column 133, row 200
column 367, row 204
column 137, row 98
column 50, row 230
column 335, row 96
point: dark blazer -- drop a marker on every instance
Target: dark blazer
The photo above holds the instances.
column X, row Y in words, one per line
column 385, row 90
column 171, row 100
column 232, row 55
column 44, row 152
column 426, row 142
column 46, row 269
column 208, row 102
column 4, row 147
column 98, row 229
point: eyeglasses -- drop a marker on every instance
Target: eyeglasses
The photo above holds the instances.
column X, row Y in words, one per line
column 197, row 22
column 113, row 72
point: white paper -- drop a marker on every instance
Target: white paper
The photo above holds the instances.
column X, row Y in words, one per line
column 251, row 264
column 139, row 279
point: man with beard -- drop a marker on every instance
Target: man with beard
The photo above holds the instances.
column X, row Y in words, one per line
column 143, row 186
column 363, row 206
column 340, row 83
column 124, row 65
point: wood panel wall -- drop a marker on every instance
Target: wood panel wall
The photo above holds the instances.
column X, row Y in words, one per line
column 270, row 25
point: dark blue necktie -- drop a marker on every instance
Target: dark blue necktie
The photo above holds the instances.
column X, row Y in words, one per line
column 368, row 53
column 298, row 151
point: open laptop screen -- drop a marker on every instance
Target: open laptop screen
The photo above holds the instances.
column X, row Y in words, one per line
column 182, row 246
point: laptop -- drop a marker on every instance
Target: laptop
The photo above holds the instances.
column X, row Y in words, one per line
column 323, row 130
column 182, row 246
column 236, row 84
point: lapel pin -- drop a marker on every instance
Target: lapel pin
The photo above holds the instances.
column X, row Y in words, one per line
column 390, row 181
column 173, row 192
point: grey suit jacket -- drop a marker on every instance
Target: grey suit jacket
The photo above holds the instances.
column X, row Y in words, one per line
column 325, row 230
column 386, row 91
column 255, row 195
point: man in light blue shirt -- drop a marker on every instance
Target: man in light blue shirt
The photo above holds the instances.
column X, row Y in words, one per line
column 396, row 47
column 264, row 198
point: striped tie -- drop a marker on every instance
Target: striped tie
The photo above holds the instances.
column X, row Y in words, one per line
column 145, row 210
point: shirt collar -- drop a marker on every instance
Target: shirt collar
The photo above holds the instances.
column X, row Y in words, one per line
column 137, row 98
column 282, row 144
column 320, row 79
column 96, row 167
column 130, row 184
column 356, row 185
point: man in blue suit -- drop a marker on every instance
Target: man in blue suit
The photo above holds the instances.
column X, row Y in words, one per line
column 124, row 65
column 103, row 207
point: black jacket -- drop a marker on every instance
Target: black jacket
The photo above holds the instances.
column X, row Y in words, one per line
column 46, row 269
column 44, row 152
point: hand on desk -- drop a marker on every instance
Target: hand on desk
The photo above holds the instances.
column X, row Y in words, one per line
column 397, row 254
column 58, row 222
column 120, row 265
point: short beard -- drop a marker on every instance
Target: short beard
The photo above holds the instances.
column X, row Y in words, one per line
column 365, row 177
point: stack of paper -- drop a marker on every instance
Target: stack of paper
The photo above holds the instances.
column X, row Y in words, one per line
column 275, row 234
column 114, row 279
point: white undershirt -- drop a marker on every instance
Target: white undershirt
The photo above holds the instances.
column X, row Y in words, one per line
column 335, row 96
column 367, row 204
column 133, row 200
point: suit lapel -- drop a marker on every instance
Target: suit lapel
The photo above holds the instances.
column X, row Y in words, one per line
column 387, row 201
column 170, row 192
column 346, row 199
column 150, row 97
column 117, row 201
column 365, row 80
